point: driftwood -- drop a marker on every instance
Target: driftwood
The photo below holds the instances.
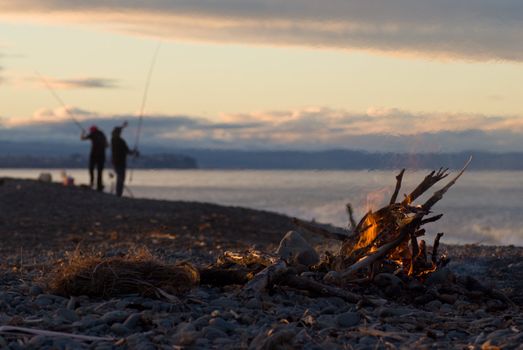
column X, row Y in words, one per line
column 385, row 240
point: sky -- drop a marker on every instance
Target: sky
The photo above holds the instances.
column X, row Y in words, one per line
column 379, row 75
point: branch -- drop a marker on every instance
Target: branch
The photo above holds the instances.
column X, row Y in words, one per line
column 438, row 195
column 429, row 181
column 350, row 212
column 399, row 179
column 435, row 248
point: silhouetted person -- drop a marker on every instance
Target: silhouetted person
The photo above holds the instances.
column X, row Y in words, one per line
column 97, row 156
column 120, row 151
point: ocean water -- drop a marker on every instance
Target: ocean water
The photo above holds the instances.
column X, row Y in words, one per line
column 483, row 207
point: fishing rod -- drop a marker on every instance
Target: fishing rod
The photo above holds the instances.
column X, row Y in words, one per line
column 51, row 90
column 144, row 101
column 145, row 93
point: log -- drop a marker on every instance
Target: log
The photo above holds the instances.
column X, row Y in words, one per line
column 264, row 279
column 313, row 228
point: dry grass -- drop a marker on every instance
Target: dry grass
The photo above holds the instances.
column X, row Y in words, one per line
column 137, row 272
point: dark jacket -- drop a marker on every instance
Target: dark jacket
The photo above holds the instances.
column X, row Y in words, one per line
column 120, row 150
column 98, row 144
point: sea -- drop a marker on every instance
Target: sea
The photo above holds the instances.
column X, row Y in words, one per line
column 483, row 207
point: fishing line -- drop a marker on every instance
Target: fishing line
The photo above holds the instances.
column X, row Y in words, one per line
column 51, row 90
column 145, row 94
column 144, row 101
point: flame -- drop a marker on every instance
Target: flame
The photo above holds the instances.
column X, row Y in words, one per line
column 369, row 235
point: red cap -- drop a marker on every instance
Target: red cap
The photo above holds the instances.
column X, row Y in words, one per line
column 93, row 128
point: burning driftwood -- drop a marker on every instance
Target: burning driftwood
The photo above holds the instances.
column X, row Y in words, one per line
column 384, row 241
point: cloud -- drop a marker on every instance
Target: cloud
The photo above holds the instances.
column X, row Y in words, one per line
column 377, row 129
column 479, row 29
column 77, row 83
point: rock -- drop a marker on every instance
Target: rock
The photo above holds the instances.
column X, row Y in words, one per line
column 273, row 339
column 221, row 324
column 387, row 279
column 393, row 312
column 295, row 249
column 348, row 319
column 71, row 304
column 132, row 320
column 212, row 333
column 441, row 276
column 35, row 290
column 120, row 329
column 448, row 298
column 114, row 316
column 67, row 314
column 185, row 334
column 139, row 341
column 434, row 305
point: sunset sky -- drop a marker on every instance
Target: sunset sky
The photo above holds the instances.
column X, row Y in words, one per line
column 298, row 74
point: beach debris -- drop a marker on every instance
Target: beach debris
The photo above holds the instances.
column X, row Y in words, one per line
column 45, row 177
column 113, row 276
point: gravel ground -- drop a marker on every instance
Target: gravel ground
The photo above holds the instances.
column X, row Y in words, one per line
column 41, row 223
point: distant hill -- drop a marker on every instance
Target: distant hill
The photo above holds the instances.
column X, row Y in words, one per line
column 74, row 155
column 155, row 161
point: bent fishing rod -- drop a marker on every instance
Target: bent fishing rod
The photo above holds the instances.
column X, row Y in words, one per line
column 144, row 101
column 60, row 101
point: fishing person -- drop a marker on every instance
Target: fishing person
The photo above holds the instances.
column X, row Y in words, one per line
column 97, row 156
column 120, row 151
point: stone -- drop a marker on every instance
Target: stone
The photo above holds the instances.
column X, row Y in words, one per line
column 348, row 319
column 120, row 329
column 221, row 324
column 212, row 333
column 387, row 279
column 441, row 276
column 114, row 316
column 434, row 305
column 295, row 249
column 67, row 314
column 132, row 320
column 35, row 290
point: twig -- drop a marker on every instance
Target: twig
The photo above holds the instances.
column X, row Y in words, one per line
column 399, row 179
column 435, row 248
column 431, row 219
column 429, row 181
column 11, row 329
column 352, row 222
column 438, row 195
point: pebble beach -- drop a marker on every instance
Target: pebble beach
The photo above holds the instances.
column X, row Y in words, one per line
column 43, row 224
